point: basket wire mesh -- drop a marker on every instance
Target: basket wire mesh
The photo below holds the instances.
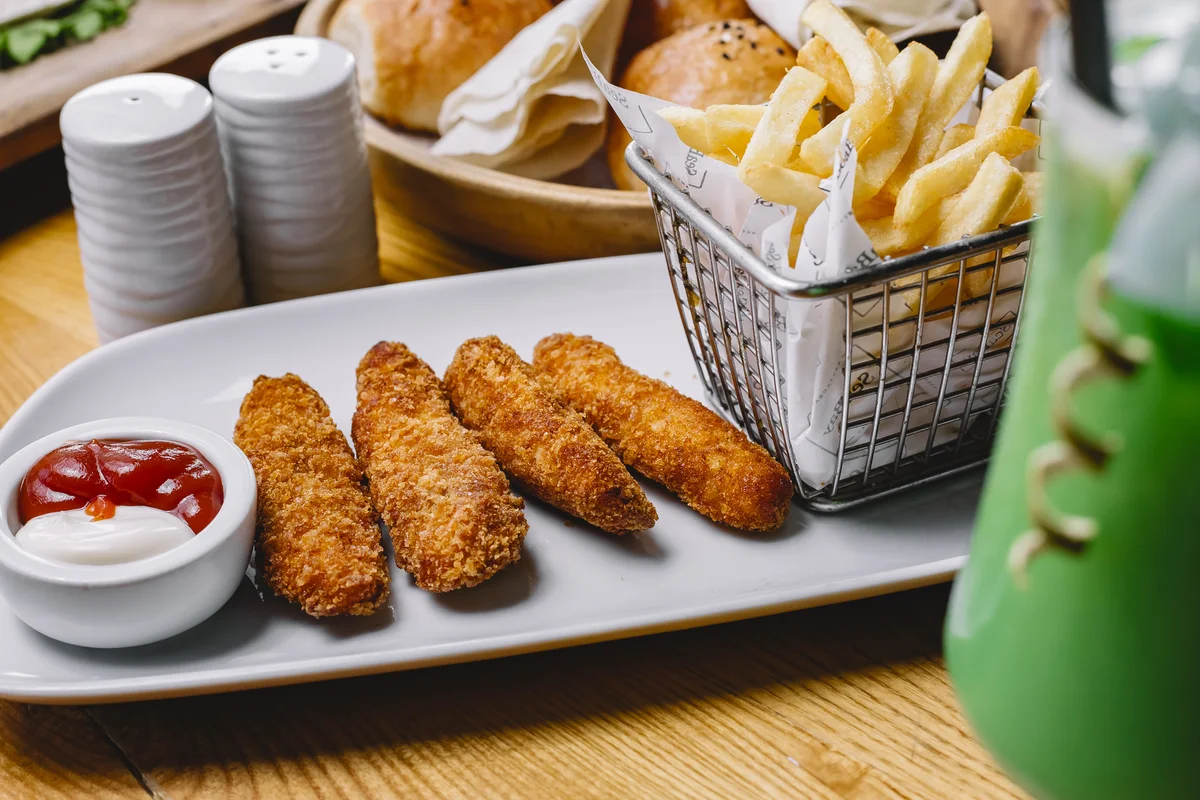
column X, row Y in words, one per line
column 925, row 377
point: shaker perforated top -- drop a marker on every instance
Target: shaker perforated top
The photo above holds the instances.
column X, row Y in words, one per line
column 283, row 70
column 135, row 114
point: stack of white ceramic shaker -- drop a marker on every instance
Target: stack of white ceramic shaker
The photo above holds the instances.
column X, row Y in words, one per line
column 291, row 132
column 151, row 204
column 158, row 192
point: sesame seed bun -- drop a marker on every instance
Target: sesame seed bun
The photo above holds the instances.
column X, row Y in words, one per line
column 652, row 20
column 732, row 61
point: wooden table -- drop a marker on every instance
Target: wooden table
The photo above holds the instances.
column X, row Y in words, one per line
column 849, row 701
column 183, row 37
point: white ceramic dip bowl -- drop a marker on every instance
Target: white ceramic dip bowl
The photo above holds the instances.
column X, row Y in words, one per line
column 122, row 605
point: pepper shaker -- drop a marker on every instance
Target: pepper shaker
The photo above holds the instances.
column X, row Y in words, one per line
column 152, row 208
column 290, row 124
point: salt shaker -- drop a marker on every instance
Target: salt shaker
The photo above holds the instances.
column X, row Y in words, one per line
column 290, row 123
column 152, row 209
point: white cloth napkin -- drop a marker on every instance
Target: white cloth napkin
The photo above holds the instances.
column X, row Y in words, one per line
column 899, row 19
column 533, row 110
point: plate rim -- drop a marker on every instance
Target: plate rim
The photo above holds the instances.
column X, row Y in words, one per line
column 236, row 679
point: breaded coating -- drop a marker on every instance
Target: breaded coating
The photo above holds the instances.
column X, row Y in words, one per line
column 318, row 539
column 454, row 521
column 546, row 446
column 666, row 436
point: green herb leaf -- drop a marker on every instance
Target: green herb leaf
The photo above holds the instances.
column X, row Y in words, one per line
column 85, row 23
column 26, row 40
column 50, row 27
column 111, row 9
column 23, row 41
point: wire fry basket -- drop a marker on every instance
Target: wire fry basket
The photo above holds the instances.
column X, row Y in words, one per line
column 928, row 340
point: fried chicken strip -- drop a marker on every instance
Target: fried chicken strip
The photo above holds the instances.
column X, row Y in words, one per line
column 453, row 519
column 318, row 538
column 666, row 436
column 546, row 446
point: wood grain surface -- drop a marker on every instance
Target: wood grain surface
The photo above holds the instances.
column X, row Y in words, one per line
column 56, row 752
column 842, row 702
column 849, row 701
column 183, row 37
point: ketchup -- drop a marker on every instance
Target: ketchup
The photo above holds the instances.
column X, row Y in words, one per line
column 100, row 475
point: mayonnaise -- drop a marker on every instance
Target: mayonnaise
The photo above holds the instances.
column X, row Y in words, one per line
column 131, row 534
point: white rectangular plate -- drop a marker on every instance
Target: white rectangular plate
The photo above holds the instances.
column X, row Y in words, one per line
column 574, row 584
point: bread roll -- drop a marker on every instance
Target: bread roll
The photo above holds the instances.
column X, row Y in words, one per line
column 733, row 61
column 412, row 53
column 652, row 20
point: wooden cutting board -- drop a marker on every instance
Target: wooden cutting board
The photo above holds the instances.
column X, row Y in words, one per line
column 179, row 36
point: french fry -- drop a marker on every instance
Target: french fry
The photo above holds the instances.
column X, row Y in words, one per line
column 917, row 183
column 1022, row 209
column 875, row 208
column 811, row 124
column 983, row 206
column 890, row 239
column 946, row 206
column 779, row 129
column 794, row 240
column 873, row 97
column 689, row 123
column 785, row 186
column 954, row 137
column 788, row 187
column 993, row 190
column 958, row 75
column 731, row 126
column 884, row 47
column 955, row 171
column 1029, row 201
column 1006, row 106
column 725, row 156
column 1033, row 189
column 911, row 74
column 818, row 57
